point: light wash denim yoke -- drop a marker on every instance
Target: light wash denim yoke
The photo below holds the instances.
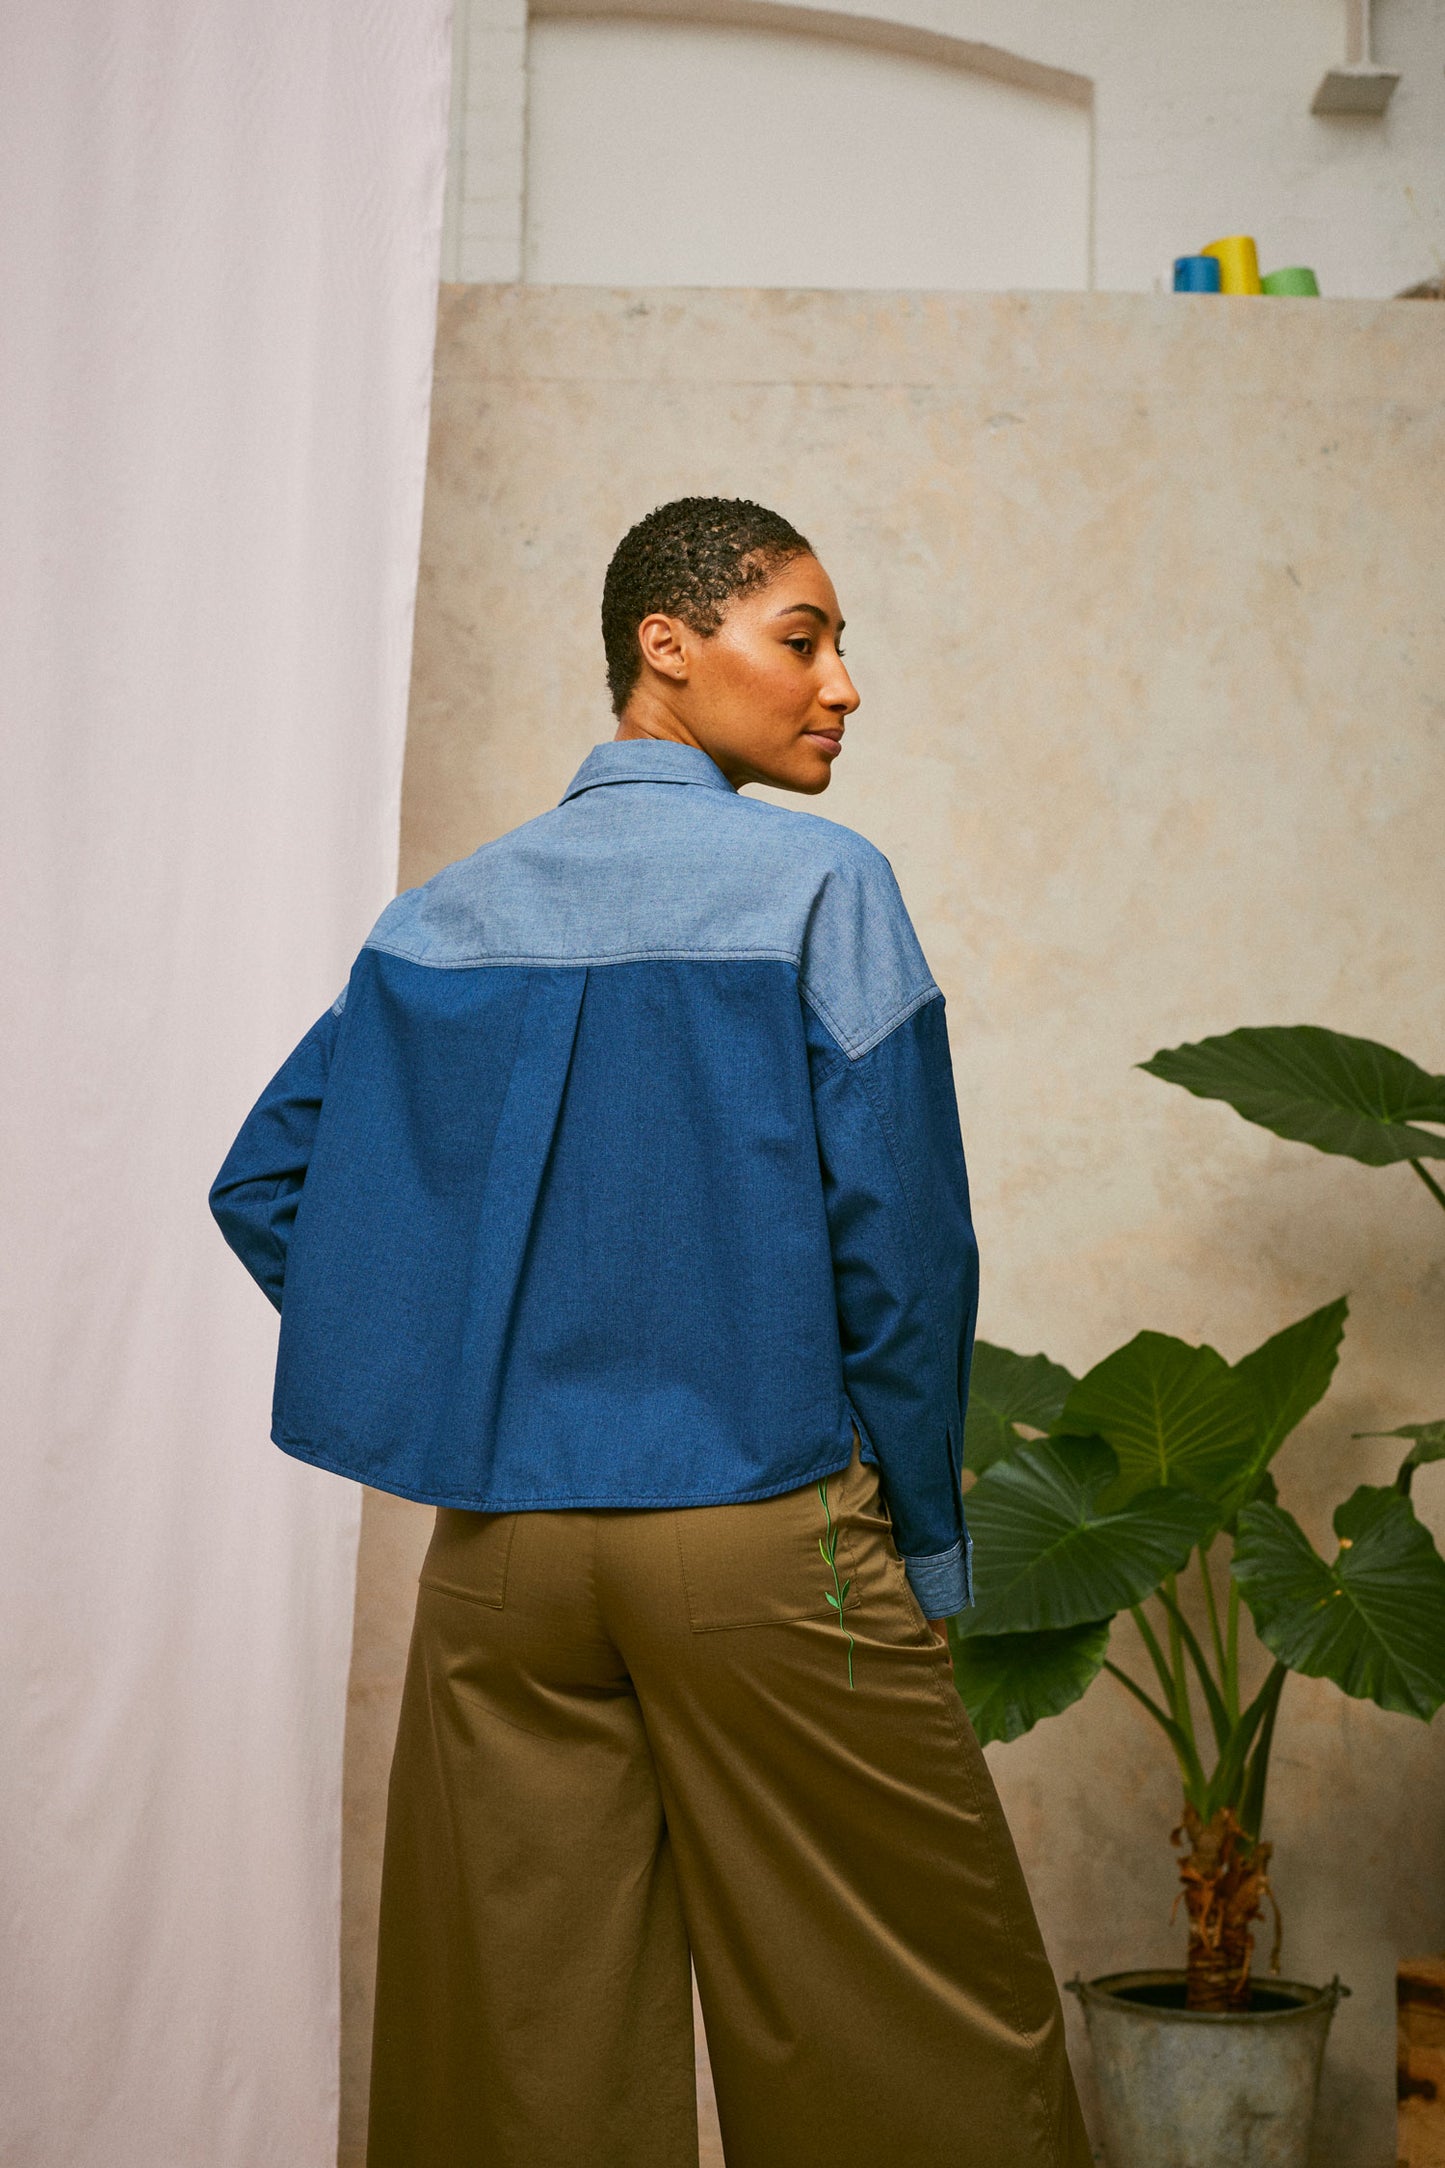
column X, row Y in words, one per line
column 626, row 1171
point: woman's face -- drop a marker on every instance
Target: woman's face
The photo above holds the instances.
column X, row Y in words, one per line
column 766, row 696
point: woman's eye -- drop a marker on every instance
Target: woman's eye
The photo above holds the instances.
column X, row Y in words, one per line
column 802, row 644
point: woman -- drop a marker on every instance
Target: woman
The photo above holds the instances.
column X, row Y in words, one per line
column 621, row 1212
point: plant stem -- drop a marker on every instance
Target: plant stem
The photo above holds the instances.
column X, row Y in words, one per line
column 1251, row 1811
column 1185, row 1752
column 1160, row 1716
column 1231, row 1701
column 1156, row 1654
column 1183, row 1707
column 1229, row 1784
column 1231, row 1685
column 1219, row 1716
column 1430, row 1183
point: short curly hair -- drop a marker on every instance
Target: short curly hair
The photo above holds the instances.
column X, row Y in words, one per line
column 688, row 559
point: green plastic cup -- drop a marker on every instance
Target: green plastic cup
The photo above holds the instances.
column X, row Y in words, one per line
column 1298, row 279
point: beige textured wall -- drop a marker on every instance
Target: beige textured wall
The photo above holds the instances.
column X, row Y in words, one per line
column 1144, row 601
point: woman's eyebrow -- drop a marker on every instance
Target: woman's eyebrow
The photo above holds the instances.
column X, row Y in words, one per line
column 809, row 609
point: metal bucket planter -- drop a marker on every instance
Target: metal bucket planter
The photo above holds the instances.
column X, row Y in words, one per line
column 1204, row 2089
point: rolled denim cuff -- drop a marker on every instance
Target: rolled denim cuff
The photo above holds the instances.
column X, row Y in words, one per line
column 943, row 1581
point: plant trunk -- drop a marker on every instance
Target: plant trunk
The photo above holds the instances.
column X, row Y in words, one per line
column 1226, row 1881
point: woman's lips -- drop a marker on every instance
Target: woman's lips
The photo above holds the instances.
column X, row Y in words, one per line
column 826, row 739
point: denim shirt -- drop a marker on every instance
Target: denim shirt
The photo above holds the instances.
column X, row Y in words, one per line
column 626, row 1171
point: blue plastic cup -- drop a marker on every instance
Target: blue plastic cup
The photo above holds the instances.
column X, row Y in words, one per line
column 1196, row 274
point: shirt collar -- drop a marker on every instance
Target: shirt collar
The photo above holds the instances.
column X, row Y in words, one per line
column 646, row 760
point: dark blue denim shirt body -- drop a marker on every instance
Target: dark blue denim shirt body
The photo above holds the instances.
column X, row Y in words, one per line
column 626, row 1171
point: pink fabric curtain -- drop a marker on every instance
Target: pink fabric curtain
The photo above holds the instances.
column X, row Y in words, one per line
column 221, row 229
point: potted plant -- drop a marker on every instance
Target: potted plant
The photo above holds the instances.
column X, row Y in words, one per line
column 1146, row 1486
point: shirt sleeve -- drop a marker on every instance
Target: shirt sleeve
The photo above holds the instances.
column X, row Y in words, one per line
column 255, row 1196
column 905, row 1267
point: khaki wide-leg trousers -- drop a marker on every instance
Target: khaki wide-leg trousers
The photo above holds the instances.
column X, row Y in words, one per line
column 627, row 1736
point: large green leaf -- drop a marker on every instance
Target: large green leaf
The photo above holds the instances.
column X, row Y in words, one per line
column 1009, row 1682
column 1173, row 1413
column 1048, row 1552
column 1319, row 1087
column 1287, row 1376
column 1005, row 1389
column 1374, row 1621
column 1429, row 1440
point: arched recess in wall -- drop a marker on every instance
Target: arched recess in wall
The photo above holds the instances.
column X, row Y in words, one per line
column 748, row 143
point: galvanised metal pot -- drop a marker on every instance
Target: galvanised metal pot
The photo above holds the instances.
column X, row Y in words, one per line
column 1201, row 2088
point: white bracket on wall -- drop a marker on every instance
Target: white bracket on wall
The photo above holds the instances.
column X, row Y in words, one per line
column 1359, row 86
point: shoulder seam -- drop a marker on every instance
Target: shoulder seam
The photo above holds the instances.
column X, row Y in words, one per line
column 855, row 1049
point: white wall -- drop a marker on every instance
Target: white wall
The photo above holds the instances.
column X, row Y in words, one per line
column 710, row 155
column 1201, row 127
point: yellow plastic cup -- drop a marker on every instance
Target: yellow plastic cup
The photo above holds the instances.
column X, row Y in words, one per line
column 1238, row 261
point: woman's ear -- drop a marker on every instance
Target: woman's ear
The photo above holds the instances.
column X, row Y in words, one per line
column 663, row 641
